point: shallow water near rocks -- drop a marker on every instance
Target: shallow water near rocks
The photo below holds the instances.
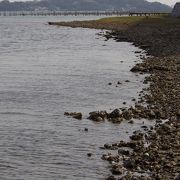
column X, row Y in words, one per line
column 45, row 71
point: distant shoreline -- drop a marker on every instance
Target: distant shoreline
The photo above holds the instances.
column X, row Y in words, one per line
column 160, row 37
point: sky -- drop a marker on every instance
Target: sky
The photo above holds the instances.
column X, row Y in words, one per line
column 168, row 2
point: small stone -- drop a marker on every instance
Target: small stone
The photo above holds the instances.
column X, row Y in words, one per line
column 116, row 120
column 146, row 154
column 117, row 169
column 127, row 114
column 98, row 115
column 89, row 154
column 137, row 52
column 177, row 177
column 107, row 146
column 74, row 115
column 158, row 177
column 131, row 122
column 77, row 116
column 178, row 113
column 137, row 137
column 66, row 114
column 123, row 152
column 114, row 114
column 99, row 119
column 144, row 127
column 129, row 164
column 110, row 158
column 152, row 114
column 111, row 178
column 166, row 127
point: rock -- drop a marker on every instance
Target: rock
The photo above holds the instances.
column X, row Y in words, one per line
column 151, row 114
column 74, row 115
column 144, row 127
column 131, row 122
column 110, row 158
column 139, row 68
column 127, row 114
column 66, row 113
column 116, row 120
column 145, row 46
column 77, row 115
column 122, row 39
column 107, row 146
column 123, row 152
column 137, row 137
column 115, row 144
column 166, row 127
column 111, row 178
column 132, row 144
column 160, row 68
column 137, row 52
column 114, row 114
column 146, row 154
column 178, row 113
column 98, row 115
column 89, row 154
column 86, row 129
column 99, row 119
column 117, row 169
column 158, row 177
column 177, row 177
column 122, row 144
column 129, row 164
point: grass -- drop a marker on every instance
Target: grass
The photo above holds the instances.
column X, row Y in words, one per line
column 132, row 20
column 124, row 22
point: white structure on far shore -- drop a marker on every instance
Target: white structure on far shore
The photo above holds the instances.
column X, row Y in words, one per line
column 176, row 10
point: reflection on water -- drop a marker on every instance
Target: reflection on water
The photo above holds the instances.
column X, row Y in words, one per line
column 46, row 70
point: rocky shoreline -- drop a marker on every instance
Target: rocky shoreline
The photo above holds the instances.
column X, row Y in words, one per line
column 153, row 153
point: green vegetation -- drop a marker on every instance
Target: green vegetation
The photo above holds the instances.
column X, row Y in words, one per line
column 132, row 20
column 124, row 22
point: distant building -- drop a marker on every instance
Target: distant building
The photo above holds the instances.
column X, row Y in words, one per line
column 176, row 10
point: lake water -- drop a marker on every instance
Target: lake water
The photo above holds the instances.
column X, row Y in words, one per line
column 45, row 71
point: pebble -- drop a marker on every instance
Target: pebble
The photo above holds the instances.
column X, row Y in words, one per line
column 89, row 154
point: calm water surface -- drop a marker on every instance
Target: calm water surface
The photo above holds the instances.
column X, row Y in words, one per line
column 45, row 71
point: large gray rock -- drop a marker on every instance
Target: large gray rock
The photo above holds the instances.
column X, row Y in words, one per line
column 176, row 10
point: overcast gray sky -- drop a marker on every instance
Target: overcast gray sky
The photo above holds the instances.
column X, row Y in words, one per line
column 169, row 2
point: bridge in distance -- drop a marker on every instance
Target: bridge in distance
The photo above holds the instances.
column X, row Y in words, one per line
column 77, row 13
